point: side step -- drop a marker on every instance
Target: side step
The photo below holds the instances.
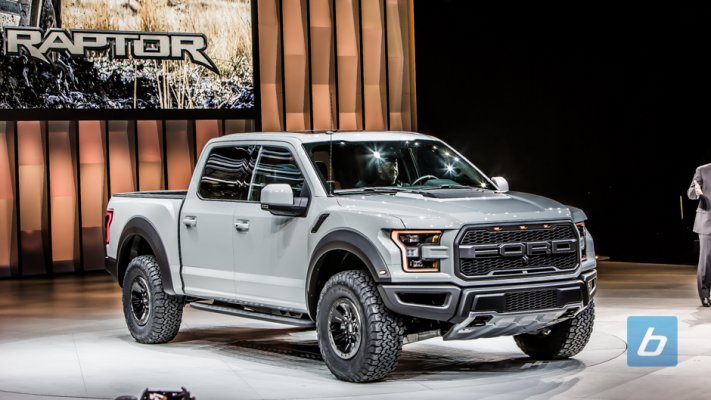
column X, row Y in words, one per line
column 241, row 312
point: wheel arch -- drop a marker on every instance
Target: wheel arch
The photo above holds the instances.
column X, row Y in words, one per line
column 140, row 237
column 339, row 251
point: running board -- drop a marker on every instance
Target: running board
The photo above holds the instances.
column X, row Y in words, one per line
column 240, row 312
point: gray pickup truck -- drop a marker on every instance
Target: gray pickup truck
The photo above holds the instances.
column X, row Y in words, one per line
column 375, row 239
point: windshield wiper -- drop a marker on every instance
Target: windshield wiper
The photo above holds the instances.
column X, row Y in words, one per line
column 444, row 186
column 370, row 190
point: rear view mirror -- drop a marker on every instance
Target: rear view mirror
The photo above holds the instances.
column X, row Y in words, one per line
column 501, row 183
column 278, row 199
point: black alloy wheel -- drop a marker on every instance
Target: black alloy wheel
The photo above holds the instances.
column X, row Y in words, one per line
column 140, row 300
column 344, row 328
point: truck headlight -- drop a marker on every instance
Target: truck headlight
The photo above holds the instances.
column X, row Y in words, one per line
column 419, row 250
column 583, row 239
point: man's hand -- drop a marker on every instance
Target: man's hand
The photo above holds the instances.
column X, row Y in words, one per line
column 697, row 189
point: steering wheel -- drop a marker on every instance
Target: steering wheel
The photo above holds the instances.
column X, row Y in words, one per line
column 423, row 178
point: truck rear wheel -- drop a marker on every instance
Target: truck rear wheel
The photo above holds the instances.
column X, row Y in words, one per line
column 152, row 316
column 565, row 339
column 360, row 339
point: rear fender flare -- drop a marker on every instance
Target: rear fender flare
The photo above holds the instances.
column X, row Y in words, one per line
column 141, row 227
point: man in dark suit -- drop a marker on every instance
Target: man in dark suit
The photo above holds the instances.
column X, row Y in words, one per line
column 699, row 190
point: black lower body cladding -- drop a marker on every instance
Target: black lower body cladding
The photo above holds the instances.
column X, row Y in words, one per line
column 111, row 267
column 454, row 304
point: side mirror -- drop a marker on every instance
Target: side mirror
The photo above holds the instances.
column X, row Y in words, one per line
column 501, row 183
column 278, row 199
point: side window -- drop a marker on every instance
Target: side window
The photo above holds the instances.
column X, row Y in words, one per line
column 228, row 172
column 276, row 165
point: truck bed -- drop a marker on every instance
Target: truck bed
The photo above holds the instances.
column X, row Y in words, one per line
column 157, row 194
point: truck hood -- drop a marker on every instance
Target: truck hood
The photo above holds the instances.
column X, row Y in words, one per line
column 453, row 208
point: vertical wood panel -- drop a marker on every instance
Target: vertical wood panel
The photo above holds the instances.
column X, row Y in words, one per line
column 8, row 208
column 239, row 126
column 323, row 65
column 122, row 157
column 150, row 155
column 411, row 62
column 399, row 64
column 204, row 131
column 34, row 217
column 374, row 81
column 349, row 73
column 296, row 65
column 94, row 191
column 179, row 154
column 63, row 196
column 270, row 65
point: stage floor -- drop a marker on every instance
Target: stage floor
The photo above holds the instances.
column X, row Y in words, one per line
column 66, row 338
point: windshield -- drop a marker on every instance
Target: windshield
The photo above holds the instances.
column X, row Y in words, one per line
column 421, row 164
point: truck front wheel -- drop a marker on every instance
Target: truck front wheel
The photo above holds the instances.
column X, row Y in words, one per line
column 152, row 316
column 562, row 340
column 360, row 339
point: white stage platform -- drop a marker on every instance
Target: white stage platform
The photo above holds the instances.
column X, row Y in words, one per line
column 66, row 338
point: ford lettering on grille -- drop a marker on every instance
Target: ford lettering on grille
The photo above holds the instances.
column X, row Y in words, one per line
column 519, row 249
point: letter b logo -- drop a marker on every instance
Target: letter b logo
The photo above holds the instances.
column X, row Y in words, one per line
column 650, row 337
column 652, row 341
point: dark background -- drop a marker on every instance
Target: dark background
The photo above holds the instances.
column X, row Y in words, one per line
column 604, row 109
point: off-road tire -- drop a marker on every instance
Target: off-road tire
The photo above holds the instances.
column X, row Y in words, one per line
column 381, row 331
column 565, row 339
column 166, row 312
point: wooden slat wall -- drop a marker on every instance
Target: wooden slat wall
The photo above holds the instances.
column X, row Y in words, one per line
column 56, row 177
column 345, row 64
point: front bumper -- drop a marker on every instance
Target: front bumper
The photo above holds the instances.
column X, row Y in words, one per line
column 493, row 310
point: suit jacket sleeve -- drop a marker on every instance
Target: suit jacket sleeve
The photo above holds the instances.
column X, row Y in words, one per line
column 691, row 193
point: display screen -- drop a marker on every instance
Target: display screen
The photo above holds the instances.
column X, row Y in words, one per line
column 127, row 54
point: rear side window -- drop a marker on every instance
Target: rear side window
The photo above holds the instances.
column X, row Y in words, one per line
column 228, row 173
column 276, row 165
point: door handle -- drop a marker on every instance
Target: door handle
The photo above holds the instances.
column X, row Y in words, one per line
column 190, row 222
column 242, row 226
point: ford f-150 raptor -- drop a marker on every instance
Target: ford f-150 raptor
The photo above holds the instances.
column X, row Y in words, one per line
column 375, row 239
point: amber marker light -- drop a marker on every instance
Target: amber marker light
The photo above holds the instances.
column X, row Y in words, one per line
column 410, row 244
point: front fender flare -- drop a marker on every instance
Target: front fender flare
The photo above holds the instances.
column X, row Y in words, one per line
column 354, row 243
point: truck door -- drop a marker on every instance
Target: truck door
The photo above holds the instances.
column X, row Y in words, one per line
column 271, row 251
column 206, row 221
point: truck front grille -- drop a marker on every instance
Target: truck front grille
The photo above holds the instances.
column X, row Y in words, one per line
column 530, row 301
column 478, row 258
column 513, row 234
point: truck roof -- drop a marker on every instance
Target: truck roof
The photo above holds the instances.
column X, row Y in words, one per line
column 322, row 136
